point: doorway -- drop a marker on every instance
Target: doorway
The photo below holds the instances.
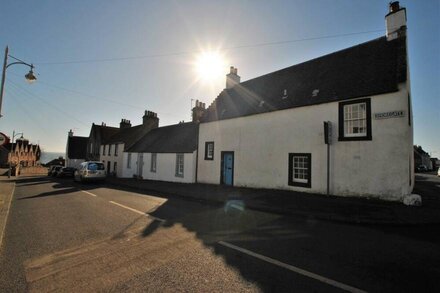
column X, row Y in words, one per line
column 227, row 168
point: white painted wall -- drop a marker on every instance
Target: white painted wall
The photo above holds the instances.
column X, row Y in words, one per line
column 129, row 172
column 262, row 142
column 165, row 168
column 112, row 158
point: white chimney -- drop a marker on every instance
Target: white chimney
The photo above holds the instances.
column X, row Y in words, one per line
column 232, row 78
column 395, row 21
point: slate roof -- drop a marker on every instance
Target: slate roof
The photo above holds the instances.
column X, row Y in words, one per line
column 178, row 138
column 77, row 147
column 128, row 135
column 371, row 68
column 106, row 131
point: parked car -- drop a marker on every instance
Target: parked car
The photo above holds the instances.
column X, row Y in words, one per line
column 90, row 171
column 421, row 168
column 438, row 172
column 51, row 169
column 66, row 172
column 55, row 171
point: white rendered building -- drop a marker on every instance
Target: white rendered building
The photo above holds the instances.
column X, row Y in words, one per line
column 268, row 132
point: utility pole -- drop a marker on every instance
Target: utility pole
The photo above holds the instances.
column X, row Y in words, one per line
column 5, row 63
column 30, row 77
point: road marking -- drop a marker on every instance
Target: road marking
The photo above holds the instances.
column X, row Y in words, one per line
column 89, row 193
column 137, row 211
column 294, row 269
column 2, row 231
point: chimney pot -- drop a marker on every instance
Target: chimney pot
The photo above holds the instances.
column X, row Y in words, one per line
column 394, row 6
column 232, row 78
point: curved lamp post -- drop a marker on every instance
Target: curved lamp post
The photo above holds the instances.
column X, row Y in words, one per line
column 10, row 151
column 30, row 77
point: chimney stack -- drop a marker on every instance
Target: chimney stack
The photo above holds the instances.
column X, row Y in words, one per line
column 124, row 124
column 395, row 21
column 70, row 133
column 150, row 120
column 232, row 78
column 198, row 111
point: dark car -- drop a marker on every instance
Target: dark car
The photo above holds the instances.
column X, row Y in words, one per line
column 422, row 168
column 56, row 170
column 66, row 172
column 52, row 169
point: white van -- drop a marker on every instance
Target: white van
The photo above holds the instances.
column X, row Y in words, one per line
column 90, row 171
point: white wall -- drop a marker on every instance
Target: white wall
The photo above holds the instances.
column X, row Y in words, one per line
column 261, row 144
column 112, row 158
column 129, row 172
column 165, row 167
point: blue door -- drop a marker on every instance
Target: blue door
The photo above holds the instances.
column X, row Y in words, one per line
column 227, row 172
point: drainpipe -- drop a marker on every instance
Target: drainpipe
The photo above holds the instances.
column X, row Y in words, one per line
column 197, row 152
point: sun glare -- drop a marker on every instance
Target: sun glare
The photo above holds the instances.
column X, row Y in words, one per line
column 210, row 66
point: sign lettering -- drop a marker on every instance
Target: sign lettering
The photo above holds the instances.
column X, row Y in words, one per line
column 391, row 114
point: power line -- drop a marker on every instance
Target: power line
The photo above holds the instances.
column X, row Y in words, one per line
column 101, row 98
column 46, row 102
column 127, row 58
column 92, row 96
column 24, row 108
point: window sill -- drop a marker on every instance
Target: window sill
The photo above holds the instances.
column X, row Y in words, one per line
column 354, row 138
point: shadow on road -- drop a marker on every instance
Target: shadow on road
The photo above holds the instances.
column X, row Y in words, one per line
column 313, row 245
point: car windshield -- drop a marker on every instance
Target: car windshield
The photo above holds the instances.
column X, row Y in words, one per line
column 95, row 166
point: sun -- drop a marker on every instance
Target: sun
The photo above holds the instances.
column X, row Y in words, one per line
column 210, row 66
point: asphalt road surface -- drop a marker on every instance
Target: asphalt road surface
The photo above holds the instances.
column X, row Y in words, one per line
column 62, row 236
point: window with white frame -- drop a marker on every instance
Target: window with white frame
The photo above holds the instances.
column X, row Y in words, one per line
column 355, row 120
column 103, row 149
column 179, row 165
column 109, row 149
column 129, row 161
column 209, row 150
column 116, row 149
column 300, row 169
column 153, row 162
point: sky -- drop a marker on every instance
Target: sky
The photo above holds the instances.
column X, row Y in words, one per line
column 101, row 61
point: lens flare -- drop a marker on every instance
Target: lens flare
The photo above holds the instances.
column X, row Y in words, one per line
column 210, row 66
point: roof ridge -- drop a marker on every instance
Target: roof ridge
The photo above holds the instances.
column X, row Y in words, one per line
column 310, row 60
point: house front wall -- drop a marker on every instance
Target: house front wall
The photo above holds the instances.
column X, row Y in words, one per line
column 381, row 167
column 165, row 167
column 112, row 158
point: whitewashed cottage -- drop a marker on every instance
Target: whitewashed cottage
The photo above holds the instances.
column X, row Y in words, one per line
column 166, row 153
column 268, row 132
column 113, row 147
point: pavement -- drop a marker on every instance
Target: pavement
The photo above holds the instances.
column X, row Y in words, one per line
column 322, row 207
column 6, row 191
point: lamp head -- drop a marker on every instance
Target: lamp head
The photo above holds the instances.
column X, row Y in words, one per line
column 30, row 76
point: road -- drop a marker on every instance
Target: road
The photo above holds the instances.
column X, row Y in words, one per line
column 62, row 236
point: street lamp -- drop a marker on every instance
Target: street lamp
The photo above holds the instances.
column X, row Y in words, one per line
column 30, row 77
column 10, row 151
